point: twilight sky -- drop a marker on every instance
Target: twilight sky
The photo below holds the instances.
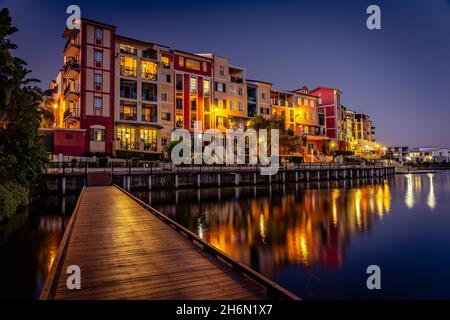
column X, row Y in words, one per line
column 400, row 75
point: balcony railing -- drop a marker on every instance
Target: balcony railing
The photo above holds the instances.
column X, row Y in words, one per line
column 72, row 113
column 128, row 71
column 251, row 99
column 71, row 69
column 72, row 92
column 72, row 48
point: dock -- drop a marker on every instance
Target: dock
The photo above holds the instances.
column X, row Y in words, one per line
column 126, row 250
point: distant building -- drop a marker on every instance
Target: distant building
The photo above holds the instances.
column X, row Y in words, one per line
column 399, row 153
column 428, row 154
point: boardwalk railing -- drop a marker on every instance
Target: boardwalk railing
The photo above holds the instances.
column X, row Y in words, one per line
column 272, row 289
column 121, row 167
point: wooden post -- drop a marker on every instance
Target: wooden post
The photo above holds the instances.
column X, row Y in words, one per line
column 63, row 185
column 254, row 178
column 149, row 182
column 307, row 176
column 218, row 179
column 176, row 181
column 198, row 180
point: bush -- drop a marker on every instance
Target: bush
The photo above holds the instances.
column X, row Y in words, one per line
column 12, row 197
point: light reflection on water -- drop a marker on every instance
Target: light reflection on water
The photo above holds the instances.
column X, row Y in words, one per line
column 318, row 239
column 29, row 242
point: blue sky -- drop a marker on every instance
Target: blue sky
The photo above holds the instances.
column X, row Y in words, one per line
column 400, row 75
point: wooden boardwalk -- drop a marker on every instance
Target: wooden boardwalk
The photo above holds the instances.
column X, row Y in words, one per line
column 126, row 252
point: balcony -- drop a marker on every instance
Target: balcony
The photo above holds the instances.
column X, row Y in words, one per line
column 72, row 93
column 128, row 71
column 72, row 114
column 72, row 48
column 251, row 99
column 71, row 69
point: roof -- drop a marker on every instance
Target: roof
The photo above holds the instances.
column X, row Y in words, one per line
column 141, row 42
column 326, row 88
column 258, row 81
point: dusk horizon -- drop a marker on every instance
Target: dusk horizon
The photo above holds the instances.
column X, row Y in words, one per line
column 397, row 79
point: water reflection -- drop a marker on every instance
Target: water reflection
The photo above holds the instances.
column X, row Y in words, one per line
column 268, row 227
column 29, row 242
column 309, row 237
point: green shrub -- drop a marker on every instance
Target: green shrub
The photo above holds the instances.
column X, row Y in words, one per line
column 12, row 197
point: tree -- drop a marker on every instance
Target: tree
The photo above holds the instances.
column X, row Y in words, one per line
column 290, row 143
column 21, row 154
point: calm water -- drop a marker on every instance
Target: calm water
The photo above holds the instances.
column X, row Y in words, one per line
column 318, row 242
column 29, row 242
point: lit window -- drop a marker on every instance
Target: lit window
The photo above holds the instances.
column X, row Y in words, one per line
column 148, row 136
column 241, row 106
column 206, row 87
column 128, row 50
column 204, row 67
column 128, row 67
column 128, row 110
column 193, row 85
column 149, row 70
column 165, row 62
column 166, row 116
column 181, row 61
column 192, row 64
column 97, row 134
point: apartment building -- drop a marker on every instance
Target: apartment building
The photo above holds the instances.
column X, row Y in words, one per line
column 329, row 102
column 193, row 94
column 229, row 94
column 114, row 93
column 258, row 98
column 143, row 95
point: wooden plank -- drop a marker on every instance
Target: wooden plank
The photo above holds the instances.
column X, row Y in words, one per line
column 125, row 252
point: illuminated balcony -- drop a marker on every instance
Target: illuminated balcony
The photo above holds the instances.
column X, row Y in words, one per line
column 72, row 48
column 72, row 93
column 71, row 69
column 72, row 115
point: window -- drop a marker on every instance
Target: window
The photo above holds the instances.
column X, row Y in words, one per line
column 179, row 121
column 312, row 116
column 192, row 64
column 98, row 56
column 164, row 96
column 128, row 50
column 231, row 104
column 193, row 103
column 98, row 79
column 128, row 110
column 232, row 88
column 312, row 103
column 204, row 67
column 207, row 121
column 165, row 62
column 97, row 134
column 305, row 102
column 128, row 67
column 167, row 78
column 163, row 142
column 220, row 87
column 206, row 88
column 206, row 104
column 291, row 115
column 241, row 106
column 98, row 34
column 264, row 96
column 128, row 88
column 193, row 85
column 224, row 103
column 98, row 102
column 179, row 101
column 149, row 70
column 179, row 81
column 299, row 101
column 181, row 61
column 149, row 113
column 148, row 136
column 149, row 91
column 220, row 104
column 166, row 116
column 150, row 54
column 240, row 92
column 222, row 70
